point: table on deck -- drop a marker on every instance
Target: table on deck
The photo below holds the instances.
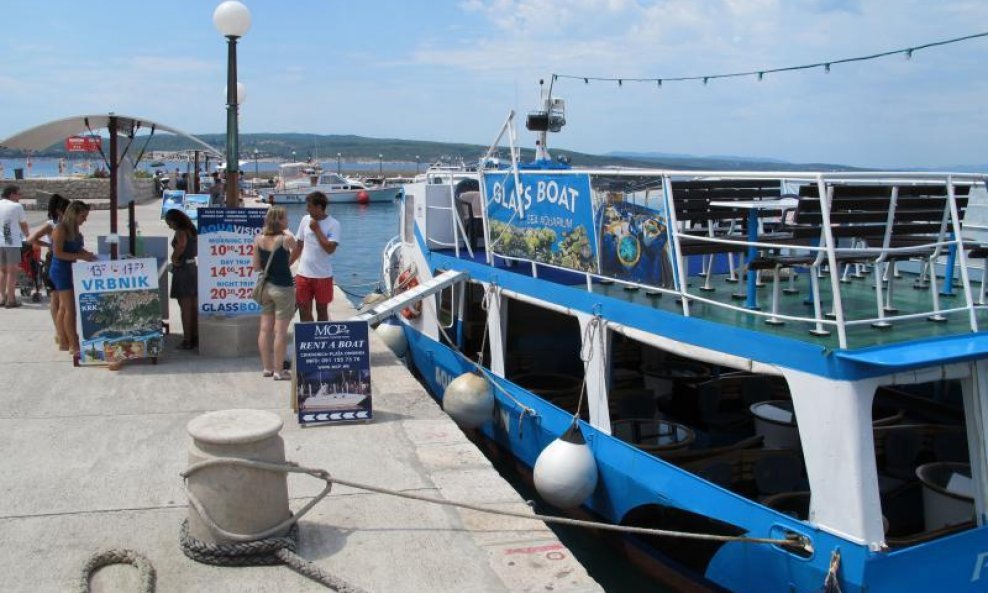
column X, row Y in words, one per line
column 754, row 208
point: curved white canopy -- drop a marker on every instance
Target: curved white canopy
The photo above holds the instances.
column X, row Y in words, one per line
column 43, row 136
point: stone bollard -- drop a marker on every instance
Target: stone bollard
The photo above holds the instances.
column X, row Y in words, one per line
column 239, row 499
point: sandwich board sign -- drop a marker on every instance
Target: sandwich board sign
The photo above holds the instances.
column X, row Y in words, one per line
column 332, row 381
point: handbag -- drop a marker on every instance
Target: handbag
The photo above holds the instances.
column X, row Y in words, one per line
column 258, row 289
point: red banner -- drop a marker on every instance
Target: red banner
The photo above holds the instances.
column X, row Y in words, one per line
column 83, row 144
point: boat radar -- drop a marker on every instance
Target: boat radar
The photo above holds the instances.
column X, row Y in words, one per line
column 550, row 118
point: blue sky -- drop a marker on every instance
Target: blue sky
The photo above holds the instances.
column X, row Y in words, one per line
column 450, row 70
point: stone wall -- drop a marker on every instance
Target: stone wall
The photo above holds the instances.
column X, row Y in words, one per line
column 35, row 192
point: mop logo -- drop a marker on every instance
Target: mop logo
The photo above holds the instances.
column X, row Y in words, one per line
column 332, row 329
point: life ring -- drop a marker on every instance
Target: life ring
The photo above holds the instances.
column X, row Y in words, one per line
column 408, row 280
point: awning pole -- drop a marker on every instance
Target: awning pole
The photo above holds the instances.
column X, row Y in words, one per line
column 114, row 238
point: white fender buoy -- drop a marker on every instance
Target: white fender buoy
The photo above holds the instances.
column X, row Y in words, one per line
column 565, row 472
column 469, row 400
column 393, row 335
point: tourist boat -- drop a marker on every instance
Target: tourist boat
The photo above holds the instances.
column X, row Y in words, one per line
column 297, row 180
column 794, row 356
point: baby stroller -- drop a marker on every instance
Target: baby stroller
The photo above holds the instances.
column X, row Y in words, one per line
column 30, row 280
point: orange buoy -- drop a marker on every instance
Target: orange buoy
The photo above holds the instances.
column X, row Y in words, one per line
column 363, row 197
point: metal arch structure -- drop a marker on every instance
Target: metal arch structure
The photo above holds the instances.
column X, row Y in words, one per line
column 45, row 135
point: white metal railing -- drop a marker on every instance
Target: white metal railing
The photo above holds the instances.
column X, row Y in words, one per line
column 827, row 255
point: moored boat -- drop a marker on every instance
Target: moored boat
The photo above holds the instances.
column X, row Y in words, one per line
column 792, row 356
column 297, row 180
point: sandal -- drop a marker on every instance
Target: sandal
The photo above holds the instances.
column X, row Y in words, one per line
column 266, row 373
column 12, row 305
column 283, row 376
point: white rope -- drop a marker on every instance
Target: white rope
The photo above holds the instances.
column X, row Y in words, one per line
column 794, row 541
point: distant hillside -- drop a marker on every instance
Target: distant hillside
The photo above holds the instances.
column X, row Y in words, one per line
column 686, row 161
column 282, row 146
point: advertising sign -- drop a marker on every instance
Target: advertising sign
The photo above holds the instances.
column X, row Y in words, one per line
column 193, row 203
column 634, row 244
column 549, row 220
column 83, row 144
column 118, row 310
column 226, row 260
column 172, row 199
column 332, row 372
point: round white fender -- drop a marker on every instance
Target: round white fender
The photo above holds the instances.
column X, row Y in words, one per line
column 469, row 400
column 565, row 472
column 393, row 335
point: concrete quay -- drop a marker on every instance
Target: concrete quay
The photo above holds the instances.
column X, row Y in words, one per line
column 90, row 461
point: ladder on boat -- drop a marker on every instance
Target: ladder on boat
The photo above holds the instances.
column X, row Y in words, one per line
column 385, row 309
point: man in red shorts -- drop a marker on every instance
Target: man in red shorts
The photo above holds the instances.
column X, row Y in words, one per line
column 318, row 237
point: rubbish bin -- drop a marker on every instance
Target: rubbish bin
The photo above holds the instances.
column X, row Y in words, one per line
column 18, row 173
column 948, row 493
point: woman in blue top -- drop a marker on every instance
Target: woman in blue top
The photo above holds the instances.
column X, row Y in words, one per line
column 56, row 209
column 278, row 298
column 67, row 244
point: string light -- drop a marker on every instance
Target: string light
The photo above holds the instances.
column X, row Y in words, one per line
column 907, row 52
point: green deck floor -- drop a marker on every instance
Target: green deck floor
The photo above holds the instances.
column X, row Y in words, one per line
column 857, row 296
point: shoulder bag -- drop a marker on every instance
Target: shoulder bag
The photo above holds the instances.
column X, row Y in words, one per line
column 255, row 294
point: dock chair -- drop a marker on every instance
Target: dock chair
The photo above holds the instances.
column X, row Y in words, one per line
column 470, row 209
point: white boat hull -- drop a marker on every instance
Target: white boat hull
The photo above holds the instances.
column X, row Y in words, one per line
column 336, row 196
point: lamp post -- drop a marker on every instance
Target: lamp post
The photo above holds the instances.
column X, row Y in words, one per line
column 339, row 168
column 416, row 164
column 380, row 167
column 232, row 19
column 255, row 165
column 293, row 156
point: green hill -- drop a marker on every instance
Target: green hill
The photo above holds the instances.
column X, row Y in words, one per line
column 325, row 148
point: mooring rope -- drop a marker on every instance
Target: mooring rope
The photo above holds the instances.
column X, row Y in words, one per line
column 97, row 561
column 288, row 467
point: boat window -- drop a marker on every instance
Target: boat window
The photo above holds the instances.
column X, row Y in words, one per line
column 467, row 331
column 923, row 459
column 542, row 353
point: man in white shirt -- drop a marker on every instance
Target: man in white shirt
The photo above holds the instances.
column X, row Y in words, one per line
column 317, row 239
column 13, row 231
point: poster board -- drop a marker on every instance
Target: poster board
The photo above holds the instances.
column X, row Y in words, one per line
column 172, row 199
column 193, row 203
column 118, row 310
column 332, row 381
column 634, row 244
column 548, row 220
column 226, row 260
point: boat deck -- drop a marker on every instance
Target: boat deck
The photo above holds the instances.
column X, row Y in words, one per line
column 857, row 294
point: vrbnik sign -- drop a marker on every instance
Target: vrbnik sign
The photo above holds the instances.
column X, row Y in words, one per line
column 332, row 372
column 549, row 219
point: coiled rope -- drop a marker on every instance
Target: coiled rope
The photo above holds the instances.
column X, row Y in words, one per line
column 144, row 568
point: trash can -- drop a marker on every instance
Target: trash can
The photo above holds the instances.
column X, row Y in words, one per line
column 948, row 493
column 18, row 173
column 775, row 420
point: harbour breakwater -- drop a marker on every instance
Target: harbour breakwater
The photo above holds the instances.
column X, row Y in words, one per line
column 93, row 191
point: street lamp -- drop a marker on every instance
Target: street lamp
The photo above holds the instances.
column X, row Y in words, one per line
column 293, row 156
column 380, row 166
column 416, row 164
column 255, row 166
column 339, row 168
column 232, row 19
